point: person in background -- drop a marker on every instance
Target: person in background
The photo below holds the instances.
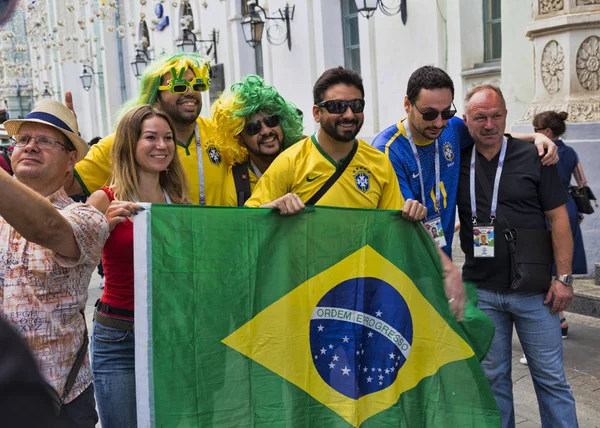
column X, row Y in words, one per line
column 146, row 169
column 552, row 125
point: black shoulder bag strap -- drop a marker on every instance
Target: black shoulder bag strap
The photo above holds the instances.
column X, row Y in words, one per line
column 338, row 173
column 77, row 364
column 242, row 183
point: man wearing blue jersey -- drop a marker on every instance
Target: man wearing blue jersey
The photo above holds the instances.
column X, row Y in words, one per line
column 424, row 149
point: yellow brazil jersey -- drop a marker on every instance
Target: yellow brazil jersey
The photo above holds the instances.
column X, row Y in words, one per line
column 369, row 180
column 230, row 198
column 94, row 170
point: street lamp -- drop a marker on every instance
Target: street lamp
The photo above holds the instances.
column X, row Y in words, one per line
column 87, row 77
column 253, row 25
column 214, row 39
column 368, row 7
column 140, row 62
column 187, row 43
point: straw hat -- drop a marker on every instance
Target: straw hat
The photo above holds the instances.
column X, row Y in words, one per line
column 56, row 115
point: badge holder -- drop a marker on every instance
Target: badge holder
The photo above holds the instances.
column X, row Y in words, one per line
column 434, row 228
column 483, row 240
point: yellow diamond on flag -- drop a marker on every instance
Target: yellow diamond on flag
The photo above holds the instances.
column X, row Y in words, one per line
column 354, row 337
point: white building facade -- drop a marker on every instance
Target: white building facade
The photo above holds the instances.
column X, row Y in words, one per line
column 475, row 41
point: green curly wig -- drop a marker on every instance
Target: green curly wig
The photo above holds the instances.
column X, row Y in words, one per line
column 153, row 74
column 238, row 105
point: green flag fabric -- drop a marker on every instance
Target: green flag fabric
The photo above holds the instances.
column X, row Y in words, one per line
column 329, row 318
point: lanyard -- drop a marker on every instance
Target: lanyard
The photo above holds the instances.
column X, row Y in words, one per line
column 255, row 169
column 413, row 146
column 200, row 166
column 496, row 184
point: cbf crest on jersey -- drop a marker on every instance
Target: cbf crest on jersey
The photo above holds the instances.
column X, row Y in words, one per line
column 362, row 179
column 214, row 155
column 448, row 152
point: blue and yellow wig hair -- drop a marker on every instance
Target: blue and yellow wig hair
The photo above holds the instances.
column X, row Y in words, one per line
column 153, row 74
column 238, row 105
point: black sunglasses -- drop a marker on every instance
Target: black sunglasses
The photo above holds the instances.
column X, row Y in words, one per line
column 253, row 128
column 432, row 114
column 340, row 106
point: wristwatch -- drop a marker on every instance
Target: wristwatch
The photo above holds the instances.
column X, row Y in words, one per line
column 565, row 279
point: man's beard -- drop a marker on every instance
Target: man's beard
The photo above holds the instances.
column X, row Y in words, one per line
column 260, row 153
column 344, row 136
column 181, row 118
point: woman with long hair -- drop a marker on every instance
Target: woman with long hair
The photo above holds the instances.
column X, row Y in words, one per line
column 552, row 125
column 145, row 169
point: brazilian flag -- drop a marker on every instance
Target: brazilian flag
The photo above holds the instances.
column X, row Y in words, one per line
column 329, row 318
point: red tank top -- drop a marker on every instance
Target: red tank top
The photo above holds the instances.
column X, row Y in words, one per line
column 117, row 261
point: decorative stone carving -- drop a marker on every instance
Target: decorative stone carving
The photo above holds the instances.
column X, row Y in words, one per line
column 553, row 66
column 588, row 63
column 549, row 6
column 579, row 111
column 586, row 2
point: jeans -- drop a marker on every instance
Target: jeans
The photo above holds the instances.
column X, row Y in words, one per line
column 539, row 333
column 79, row 413
column 113, row 365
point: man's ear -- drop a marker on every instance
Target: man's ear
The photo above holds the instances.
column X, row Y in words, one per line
column 407, row 104
column 240, row 140
column 465, row 118
column 72, row 159
column 316, row 113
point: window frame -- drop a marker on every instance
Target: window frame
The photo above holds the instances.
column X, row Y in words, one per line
column 487, row 34
column 349, row 48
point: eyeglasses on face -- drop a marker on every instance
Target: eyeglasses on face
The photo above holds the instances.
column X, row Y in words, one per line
column 43, row 143
column 538, row 129
column 340, row 106
column 432, row 114
column 253, row 128
column 180, row 86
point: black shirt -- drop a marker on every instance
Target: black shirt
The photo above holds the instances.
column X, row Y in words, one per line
column 527, row 189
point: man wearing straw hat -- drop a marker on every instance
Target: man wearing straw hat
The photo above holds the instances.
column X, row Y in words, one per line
column 49, row 247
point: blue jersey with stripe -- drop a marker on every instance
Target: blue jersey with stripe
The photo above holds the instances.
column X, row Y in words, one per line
column 393, row 142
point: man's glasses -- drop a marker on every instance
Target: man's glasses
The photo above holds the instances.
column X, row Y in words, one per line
column 340, row 106
column 432, row 114
column 253, row 128
column 538, row 129
column 43, row 143
column 180, row 86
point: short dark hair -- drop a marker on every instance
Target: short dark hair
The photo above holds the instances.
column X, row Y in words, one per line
column 555, row 121
column 427, row 77
column 333, row 76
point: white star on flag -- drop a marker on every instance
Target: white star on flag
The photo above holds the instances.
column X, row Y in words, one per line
column 330, row 346
column 380, row 383
column 346, row 371
column 392, row 369
column 392, row 356
column 346, row 339
column 379, row 370
column 387, row 371
column 380, row 377
column 369, row 379
column 379, row 313
column 365, row 370
column 320, row 327
column 370, row 334
column 335, row 358
column 323, row 351
column 331, row 366
column 357, row 352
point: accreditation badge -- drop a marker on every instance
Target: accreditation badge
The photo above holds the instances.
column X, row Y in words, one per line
column 434, row 228
column 483, row 241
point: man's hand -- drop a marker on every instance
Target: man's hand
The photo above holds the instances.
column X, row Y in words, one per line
column 289, row 204
column 120, row 211
column 413, row 210
column 69, row 102
column 546, row 148
column 455, row 291
column 560, row 295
